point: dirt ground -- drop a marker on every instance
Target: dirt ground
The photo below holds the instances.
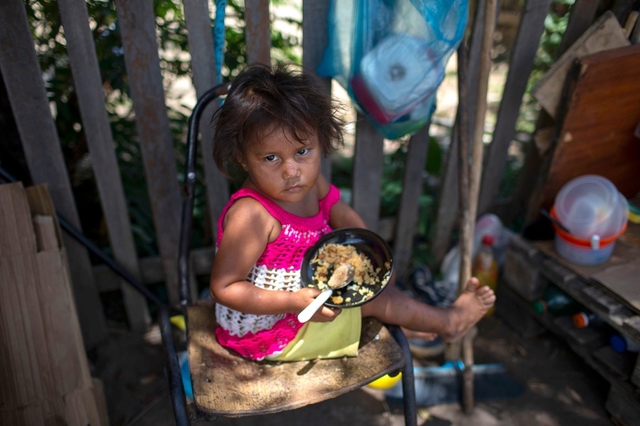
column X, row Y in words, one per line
column 558, row 388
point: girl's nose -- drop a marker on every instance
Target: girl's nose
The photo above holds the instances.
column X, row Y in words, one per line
column 290, row 171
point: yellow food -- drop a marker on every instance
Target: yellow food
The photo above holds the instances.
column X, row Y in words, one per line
column 365, row 277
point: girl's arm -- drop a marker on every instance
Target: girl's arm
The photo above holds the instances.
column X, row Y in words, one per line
column 248, row 228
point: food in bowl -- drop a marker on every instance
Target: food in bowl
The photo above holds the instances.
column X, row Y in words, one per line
column 366, row 279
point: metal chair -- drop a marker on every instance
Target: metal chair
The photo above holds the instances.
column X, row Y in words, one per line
column 225, row 384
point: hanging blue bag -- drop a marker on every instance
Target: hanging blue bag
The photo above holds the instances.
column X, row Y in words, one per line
column 390, row 56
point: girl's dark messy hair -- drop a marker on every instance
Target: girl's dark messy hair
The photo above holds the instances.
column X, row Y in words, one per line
column 262, row 99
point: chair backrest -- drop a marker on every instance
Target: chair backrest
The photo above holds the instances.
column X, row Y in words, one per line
column 189, row 188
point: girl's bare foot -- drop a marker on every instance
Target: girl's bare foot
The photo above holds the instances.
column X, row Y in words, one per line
column 468, row 309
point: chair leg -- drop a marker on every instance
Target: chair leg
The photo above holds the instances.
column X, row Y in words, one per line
column 176, row 388
column 408, row 382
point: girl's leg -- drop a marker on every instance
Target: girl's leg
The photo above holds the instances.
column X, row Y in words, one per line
column 450, row 323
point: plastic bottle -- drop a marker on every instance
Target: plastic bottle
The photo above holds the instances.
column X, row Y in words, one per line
column 622, row 344
column 485, row 266
column 555, row 302
column 584, row 319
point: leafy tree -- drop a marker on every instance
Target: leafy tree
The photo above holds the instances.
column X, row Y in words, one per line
column 50, row 45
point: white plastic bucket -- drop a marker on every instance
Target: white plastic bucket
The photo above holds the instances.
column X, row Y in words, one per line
column 582, row 251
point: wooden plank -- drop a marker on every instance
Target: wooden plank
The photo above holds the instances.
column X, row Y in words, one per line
column 151, row 269
column 623, row 281
column 85, row 407
column 45, row 232
column 23, row 80
column 623, row 406
column 88, row 88
column 368, row 158
column 62, row 343
column 582, row 14
column 257, row 31
column 622, row 9
column 17, row 386
column 520, row 66
column 137, row 26
column 407, row 223
column 447, row 203
column 605, row 34
column 315, row 38
column 597, row 133
column 71, row 369
column 23, row 271
column 204, row 77
column 15, row 218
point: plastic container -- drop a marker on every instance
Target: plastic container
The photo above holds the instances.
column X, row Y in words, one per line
column 585, row 204
column 395, row 76
column 586, row 319
column 591, row 205
column 555, row 302
column 485, row 266
column 580, row 251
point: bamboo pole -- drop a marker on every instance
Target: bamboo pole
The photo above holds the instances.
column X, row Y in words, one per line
column 470, row 176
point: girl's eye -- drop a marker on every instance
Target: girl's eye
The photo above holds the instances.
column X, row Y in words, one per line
column 270, row 158
column 303, row 151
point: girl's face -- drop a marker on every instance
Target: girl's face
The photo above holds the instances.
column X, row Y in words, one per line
column 281, row 167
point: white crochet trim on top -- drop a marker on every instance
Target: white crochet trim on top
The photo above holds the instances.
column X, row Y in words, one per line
column 239, row 323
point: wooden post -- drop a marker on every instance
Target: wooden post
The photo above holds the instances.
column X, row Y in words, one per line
column 86, row 77
column 470, row 183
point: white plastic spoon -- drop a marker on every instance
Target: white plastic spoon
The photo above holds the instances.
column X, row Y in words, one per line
column 341, row 277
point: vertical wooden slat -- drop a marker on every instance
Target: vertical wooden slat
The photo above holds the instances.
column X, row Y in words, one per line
column 88, row 87
column 257, row 31
column 23, row 79
column 581, row 16
column 407, row 224
column 447, row 210
column 315, row 37
column 520, row 66
column 204, row 77
column 137, row 25
column 368, row 159
column 580, row 19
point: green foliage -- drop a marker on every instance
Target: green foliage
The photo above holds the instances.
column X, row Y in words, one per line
column 171, row 33
column 392, row 186
column 555, row 24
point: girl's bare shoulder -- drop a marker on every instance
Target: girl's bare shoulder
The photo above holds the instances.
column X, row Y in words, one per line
column 248, row 215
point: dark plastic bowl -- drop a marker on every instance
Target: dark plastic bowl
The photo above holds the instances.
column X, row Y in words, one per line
column 371, row 244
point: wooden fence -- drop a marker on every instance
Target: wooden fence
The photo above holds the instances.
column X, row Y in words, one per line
column 25, row 87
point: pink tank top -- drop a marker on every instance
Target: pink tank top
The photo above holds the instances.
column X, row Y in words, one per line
column 277, row 269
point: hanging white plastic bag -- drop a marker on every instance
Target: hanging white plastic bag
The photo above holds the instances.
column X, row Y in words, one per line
column 390, row 56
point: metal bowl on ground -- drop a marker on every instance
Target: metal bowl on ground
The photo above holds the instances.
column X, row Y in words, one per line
column 366, row 243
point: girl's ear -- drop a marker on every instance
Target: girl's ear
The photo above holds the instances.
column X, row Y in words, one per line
column 242, row 162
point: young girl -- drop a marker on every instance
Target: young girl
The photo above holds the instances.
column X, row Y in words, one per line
column 278, row 125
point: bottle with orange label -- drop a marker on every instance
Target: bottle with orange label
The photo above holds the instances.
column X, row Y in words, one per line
column 584, row 319
column 485, row 266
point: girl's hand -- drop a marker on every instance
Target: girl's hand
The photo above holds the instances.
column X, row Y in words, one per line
column 325, row 313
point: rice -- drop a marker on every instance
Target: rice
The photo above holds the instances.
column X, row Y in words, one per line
column 330, row 256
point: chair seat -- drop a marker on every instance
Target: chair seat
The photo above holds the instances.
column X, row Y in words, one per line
column 225, row 384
